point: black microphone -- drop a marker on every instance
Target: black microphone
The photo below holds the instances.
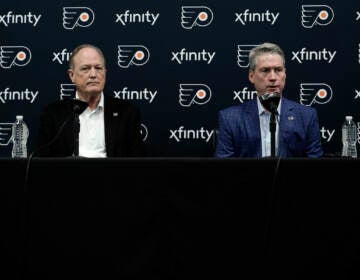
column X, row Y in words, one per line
column 77, row 107
column 270, row 101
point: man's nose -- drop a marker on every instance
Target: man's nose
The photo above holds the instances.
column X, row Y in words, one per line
column 92, row 72
column 272, row 75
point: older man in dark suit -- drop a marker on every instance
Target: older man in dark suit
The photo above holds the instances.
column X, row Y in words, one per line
column 109, row 127
column 244, row 129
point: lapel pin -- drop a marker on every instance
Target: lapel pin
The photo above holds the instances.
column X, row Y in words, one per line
column 291, row 118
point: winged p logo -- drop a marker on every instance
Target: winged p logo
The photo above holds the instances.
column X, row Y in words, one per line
column 192, row 16
column 77, row 16
column 319, row 93
column 194, row 94
column 5, row 133
column 136, row 55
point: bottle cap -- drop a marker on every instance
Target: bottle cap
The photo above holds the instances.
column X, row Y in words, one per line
column 19, row 117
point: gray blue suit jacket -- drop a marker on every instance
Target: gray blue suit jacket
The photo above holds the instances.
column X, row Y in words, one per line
column 239, row 131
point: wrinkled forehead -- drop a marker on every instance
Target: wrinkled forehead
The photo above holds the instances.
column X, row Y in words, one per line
column 269, row 60
column 89, row 55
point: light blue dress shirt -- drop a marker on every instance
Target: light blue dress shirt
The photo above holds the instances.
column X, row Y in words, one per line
column 264, row 118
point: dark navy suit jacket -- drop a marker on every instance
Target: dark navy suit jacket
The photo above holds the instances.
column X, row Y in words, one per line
column 122, row 129
column 239, row 131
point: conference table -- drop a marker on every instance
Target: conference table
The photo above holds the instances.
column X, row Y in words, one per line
column 179, row 218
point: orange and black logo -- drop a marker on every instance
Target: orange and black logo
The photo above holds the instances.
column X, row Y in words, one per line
column 194, row 94
column 77, row 17
column 311, row 93
column 14, row 55
column 192, row 16
column 312, row 15
column 129, row 55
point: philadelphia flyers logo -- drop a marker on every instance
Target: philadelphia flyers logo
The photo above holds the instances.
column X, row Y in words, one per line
column 5, row 133
column 319, row 93
column 192, row 16
column 129, row 55
column 14, row 55
column 243, row 52
column 77, row 17
column 67, row 91
column 144, row 132
column 312, row 15
column 194, row 94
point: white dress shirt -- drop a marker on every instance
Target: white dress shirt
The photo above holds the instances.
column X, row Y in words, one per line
column 264, row 117
column 92, row 132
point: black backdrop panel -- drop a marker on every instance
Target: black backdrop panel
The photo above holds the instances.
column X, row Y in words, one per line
column 320, row 40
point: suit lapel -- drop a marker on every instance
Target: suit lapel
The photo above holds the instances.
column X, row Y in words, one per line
column 108, row 123
column 252, row 128
column 287, row 122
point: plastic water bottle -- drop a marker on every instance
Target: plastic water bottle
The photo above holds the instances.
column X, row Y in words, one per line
column 20, row 133
column 349, row 138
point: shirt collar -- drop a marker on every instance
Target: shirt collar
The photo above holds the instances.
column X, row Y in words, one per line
column 101, row 102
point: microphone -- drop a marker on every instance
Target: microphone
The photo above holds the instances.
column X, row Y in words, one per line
column 270, row 101
column 77, row 107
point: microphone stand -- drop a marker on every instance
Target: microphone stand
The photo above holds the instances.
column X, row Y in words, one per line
column 76, row 134
column 272, row 132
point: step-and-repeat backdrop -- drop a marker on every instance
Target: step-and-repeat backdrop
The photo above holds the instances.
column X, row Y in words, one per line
column 193, row 62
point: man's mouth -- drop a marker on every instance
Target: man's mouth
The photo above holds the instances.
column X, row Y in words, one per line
column 272, row 88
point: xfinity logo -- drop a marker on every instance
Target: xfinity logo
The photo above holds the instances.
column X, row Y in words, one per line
column 144, row 94
column 127, row 17
column 11, row 18
column 327, row 134
column 244, row 94
column 7, row 95
column 184, row 134
column 62, row 56
column 308, row 55
column 190, row 56
column 247, row 17
column 357, row 15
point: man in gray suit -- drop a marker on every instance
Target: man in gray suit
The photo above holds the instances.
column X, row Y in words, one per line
column 244, row 129
column 105, row 126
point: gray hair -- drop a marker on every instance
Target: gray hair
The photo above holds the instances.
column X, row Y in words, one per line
column 79, row 48
column 265, row 48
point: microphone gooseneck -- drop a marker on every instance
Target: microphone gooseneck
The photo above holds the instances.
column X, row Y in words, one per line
column 77, row 107
column 270, row 101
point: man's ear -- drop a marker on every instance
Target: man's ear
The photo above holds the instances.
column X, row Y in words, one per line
column 251, row 76
column 71, row 74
